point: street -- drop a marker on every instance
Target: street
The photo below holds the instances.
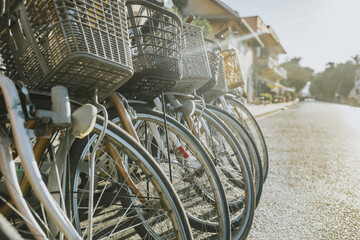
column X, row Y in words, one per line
column 312, row 190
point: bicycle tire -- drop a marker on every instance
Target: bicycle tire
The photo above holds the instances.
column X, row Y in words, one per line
column 254, row 128
column 248, row 145
column 241, row 205
column 140, row 167
column 204, row 177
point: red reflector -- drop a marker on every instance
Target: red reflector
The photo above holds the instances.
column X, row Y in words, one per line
column 181, row 149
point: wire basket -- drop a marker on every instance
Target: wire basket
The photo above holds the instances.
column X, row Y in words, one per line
column 155, row 36
column 196, row 69
column 234, row 78
column 213, row 50
column 78, row 44
column 220, row 87
column 216, row 86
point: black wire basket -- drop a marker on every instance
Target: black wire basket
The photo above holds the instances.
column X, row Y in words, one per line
column 155, row 36
column 196, row 69
column 220, row 87
column 77, row 44
column 216, row 86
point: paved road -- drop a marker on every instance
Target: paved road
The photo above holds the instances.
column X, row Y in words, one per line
column 313, row 187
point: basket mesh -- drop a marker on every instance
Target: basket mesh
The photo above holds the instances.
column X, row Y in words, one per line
column 213, row 50
column 232, row 68
column 196, row 69
column 220, row 87
column 77, row 44
column 221, row 84
column 155, row 36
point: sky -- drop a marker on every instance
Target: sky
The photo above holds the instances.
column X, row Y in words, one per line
column 318, row 31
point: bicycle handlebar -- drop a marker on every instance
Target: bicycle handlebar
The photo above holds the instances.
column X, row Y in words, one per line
column 219, row 35
column 190, row 19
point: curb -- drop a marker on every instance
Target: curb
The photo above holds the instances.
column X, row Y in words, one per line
column 276, row 110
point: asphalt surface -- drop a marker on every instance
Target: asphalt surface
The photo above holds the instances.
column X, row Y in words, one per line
column 313, row 186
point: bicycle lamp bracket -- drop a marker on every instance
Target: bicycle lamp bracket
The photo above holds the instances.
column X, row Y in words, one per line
column 60, row 114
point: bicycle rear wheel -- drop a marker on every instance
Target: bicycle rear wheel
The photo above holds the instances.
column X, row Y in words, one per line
column 133, row 198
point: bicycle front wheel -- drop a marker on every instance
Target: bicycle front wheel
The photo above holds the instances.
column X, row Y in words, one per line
column 231, row 165
column 133, row 198
column 247, row 144
column 238, row 110
column 189, row 169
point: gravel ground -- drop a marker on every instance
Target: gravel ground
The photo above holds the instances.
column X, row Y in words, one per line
column 312, row 190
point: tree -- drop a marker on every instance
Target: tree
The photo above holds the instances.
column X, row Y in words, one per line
column 208, row 32
column 180, row 4
column 356, row 59
column 297, row 76
column 330, row 64
column 336, row 80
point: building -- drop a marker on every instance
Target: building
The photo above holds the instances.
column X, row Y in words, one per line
column 268, row 71
column 354, row 95
column 241, row 36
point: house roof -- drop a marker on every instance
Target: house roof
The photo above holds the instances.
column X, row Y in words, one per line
column 226, row 13
column 256, row 37
column 225, row 7
column 265, row 32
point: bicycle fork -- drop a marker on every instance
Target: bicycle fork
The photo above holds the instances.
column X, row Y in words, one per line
column 129, row 127
column 173, row 138
column 23, row 145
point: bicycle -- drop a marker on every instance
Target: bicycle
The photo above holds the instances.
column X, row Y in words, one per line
column 233, row 102
column 156, row 38
column 189, row 169
column 213, row 92
column 199, row 120
column 28, row 64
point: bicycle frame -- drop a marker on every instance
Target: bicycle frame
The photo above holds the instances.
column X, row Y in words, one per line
column 39, row 150
column 26, row 153
column 129, row 128
column 7, row 166
column 125, row 120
